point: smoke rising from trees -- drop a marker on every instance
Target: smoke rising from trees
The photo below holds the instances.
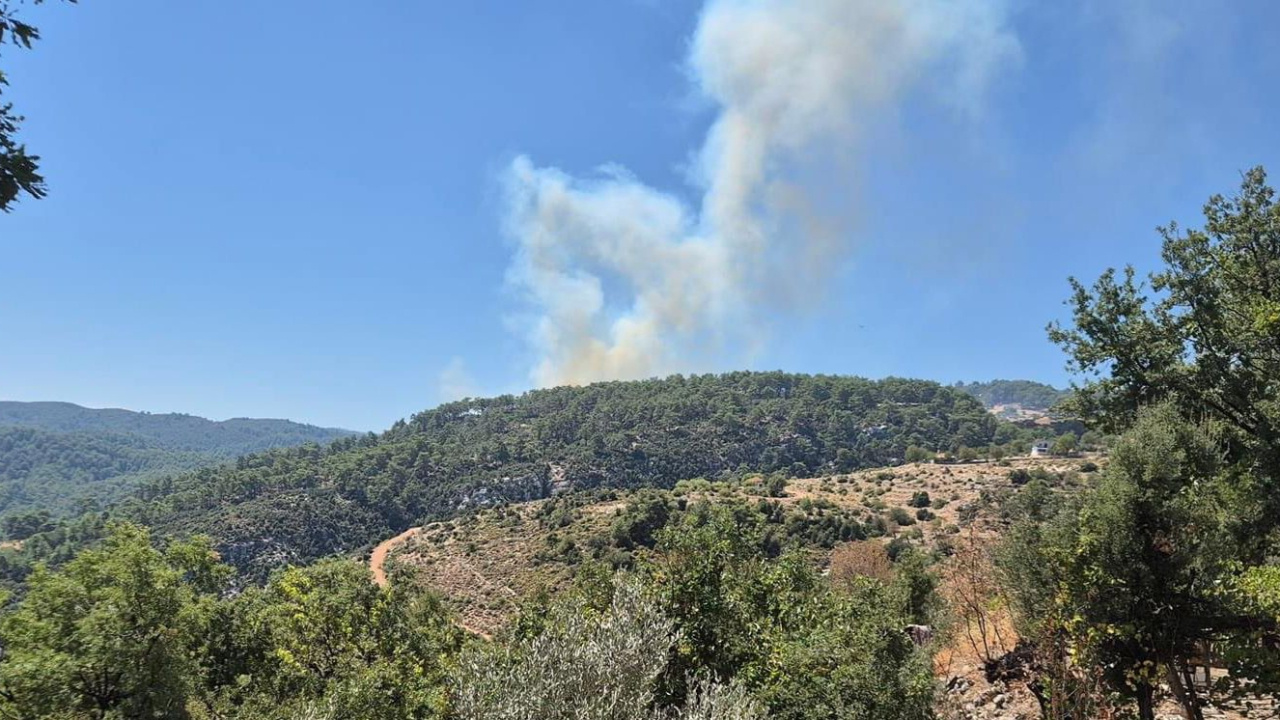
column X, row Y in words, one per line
column 628, row 281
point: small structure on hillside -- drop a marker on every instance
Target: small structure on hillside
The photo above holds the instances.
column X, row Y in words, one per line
column 1040, row 448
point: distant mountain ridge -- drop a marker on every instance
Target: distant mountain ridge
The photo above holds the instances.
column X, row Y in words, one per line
column 169, row 431
column 60, row 457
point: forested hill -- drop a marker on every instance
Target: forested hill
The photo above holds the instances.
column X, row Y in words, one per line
column 60, row 458
column 65, row 472
column 298, row 504
column 1029, row 394
column 168, row 431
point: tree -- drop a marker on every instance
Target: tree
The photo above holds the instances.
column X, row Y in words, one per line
column 644, row 517
column 805, row 648
column 112, row 634
column 1145, row 592
column 916, row 454
column 1210, row 340
column 1190, row 506
column 581, row 665
column 333, row 633
column 1064, row 444
column 853, row 661
column 20, row 526
column 19, row 170
column 775, row 486
column 588, row 663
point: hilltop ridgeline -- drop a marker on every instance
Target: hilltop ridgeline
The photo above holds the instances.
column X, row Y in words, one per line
column 168, row 431
column 298, row 504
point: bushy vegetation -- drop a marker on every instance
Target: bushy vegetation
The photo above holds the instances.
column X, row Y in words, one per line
column 709, row 629
column 638, row 525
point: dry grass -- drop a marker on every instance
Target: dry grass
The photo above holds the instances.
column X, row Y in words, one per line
column 486, row 566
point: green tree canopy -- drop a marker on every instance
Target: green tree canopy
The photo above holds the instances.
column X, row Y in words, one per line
column 111, row 634
column 1173, row 549
column 1204, row 333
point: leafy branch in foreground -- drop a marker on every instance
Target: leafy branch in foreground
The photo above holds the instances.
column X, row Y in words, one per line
column 19, row 170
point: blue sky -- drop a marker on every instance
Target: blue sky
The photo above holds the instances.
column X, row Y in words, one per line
column 302, row 210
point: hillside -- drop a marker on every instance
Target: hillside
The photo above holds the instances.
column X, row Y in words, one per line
column 295, row 505
column 62, row 472
column 492, row 567
column 62, row 458
column 1026, row 394
column 488, row 564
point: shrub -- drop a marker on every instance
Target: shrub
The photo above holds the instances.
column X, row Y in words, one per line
column 866, row 558
column 916, row 454
column 900, row 516
column 920, row 499
column 581, row 666
column 897, row 547
column 1065, row 444
column 641, row 520
column 775, row 486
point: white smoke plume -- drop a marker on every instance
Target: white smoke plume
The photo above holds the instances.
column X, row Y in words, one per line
column 626, row 281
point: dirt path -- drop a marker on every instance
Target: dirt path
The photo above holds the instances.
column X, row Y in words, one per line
column 379, row 557
column 378, row 561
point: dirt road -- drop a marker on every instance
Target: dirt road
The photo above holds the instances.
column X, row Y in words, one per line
column 379, row 557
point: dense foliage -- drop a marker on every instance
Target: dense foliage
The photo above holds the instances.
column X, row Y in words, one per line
column 642, row 517
column 299, row 504
column 710, row 630
column 1171, row 561
column 1028, row 394
column 63, row 473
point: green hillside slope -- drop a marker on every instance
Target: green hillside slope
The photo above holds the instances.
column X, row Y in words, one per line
column 298, row 504
column 63, row 472
column 63, row 458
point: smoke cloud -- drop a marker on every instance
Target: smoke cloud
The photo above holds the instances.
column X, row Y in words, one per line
column 626, row 281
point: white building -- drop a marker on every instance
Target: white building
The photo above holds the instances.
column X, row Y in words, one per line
column 1040, row 448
